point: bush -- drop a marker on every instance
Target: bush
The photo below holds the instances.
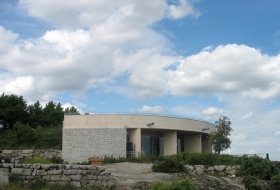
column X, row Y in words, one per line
column 208, row 159
column 255, row 186
column 259, row 167
column 275, row 182
column 56, row 160
column 37, row 159
column 183, row 184
column 169, row 165
column 248, row 180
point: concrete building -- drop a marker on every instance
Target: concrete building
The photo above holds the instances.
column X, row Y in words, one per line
column 122, row 135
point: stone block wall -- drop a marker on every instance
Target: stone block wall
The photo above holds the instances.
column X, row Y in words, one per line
column 80, row 144
column 17, row 156
column 222, row 170
column 76, row 175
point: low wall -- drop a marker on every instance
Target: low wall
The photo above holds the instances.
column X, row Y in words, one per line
column 17, row 156
column 76, row 175
column 222, row 170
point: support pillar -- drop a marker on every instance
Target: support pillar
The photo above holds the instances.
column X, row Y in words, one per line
column 170, row 143
column 135, row 136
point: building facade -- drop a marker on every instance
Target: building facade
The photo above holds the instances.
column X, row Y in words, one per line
column 123, row 135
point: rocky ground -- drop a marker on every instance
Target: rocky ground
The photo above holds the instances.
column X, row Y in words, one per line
column 140, row 176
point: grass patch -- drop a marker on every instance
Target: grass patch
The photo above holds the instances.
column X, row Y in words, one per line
column 37, row 159
column 183, row 184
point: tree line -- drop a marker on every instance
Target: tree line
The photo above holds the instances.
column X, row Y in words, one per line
column 31, row 126
column 13, row 109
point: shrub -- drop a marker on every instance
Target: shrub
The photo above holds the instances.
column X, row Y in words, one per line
column 208, row 159
column 248, row 180
column 37, row 160
column 275, row 182
column 259, row 167
column 57, row 160
column 182, row 184
column 169, row 165
column 255, row 186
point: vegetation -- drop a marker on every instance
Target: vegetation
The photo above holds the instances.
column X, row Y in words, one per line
column 183, row 184
column 275, row 182
column 258, row 167
column 30, row 126
column 249, row 180
column 37, row 159
column 220, row 138
column 208, row 159
column 169, row 165
column 40, row 184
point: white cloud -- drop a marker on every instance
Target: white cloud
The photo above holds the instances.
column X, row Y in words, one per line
column 228, row 68
column 181, row 10
column 277, row 133
column 248, row 115
column 20, row 85
column 210, row 111
column 239, row 137
column 68, row 105
column 151, row 109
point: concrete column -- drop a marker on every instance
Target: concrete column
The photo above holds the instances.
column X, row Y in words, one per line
column 135, row 136
column 193, row 143
column 170, row 143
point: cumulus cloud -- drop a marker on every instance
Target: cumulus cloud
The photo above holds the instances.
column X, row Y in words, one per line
column 151, row 109
column 210, row 111
column 228, row 68
column 182, row 9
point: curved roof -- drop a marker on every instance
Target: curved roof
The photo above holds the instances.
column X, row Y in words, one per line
column 137, row 121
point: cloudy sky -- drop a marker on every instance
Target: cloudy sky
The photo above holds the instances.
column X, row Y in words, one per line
column 190, row 58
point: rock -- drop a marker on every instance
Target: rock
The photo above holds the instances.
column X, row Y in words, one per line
column 46, row 177
column 41, row 172
column 54, row 172
column 7, row 151
column 54, row 177
column 76, row 177
column 219, row 168
column 21, row 171
column 70, row 172
column 189, row 168
column 65, row 178
column 199, row 169
column 28, row 151
column 45, row 166
column 75, row 184
column 5, row 165
column 4, row 176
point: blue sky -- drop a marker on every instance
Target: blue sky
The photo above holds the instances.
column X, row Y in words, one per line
column 190, row 58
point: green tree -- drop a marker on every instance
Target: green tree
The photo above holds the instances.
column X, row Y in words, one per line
column 36, row 114
column 220, row 138
column 53, row 114
column 13, row 109
column 71, row 110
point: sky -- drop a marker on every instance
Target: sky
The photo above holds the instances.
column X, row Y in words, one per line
column 187, row 58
